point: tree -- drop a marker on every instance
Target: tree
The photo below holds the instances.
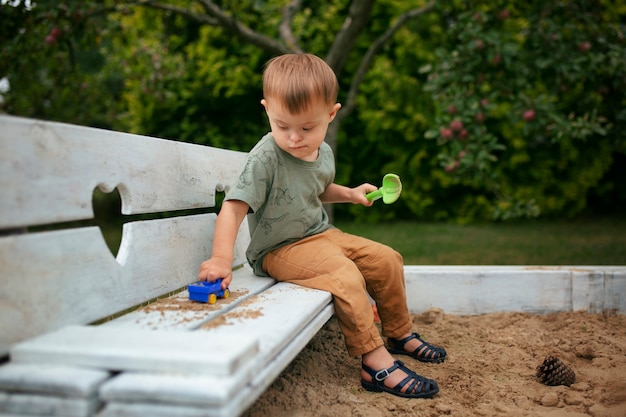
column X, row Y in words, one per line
column 531, row 103
column 285, row 38
column 488, row 109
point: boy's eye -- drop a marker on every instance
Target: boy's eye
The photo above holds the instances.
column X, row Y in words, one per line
column 306, row 129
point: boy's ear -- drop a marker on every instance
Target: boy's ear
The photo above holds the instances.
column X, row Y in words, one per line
column 264, row 103
column 334, row 111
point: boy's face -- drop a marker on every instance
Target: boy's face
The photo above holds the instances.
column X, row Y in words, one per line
column 300, row 135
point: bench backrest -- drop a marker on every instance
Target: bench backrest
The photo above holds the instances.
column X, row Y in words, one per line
column 48, row 173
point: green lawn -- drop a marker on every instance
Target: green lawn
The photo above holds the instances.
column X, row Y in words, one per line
column 540, row 242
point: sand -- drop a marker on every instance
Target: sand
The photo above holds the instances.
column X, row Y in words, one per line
column 490, row 370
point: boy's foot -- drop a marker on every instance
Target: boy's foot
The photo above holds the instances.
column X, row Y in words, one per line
column 410, row 385
column 380, row 372
column 417, row 348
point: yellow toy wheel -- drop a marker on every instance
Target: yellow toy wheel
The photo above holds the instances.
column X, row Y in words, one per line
column 212, row 299
column 226, row 293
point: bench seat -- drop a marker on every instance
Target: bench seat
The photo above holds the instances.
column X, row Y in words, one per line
column 260, row 311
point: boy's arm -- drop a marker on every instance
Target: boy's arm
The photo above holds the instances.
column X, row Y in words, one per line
column 336, row 193
column 227, row 225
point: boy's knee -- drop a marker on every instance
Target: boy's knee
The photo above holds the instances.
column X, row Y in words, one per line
column 390, row 254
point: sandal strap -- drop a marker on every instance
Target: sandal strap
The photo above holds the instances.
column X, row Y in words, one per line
column 426, row 350
column 418, row 386
column 402, row 342
column 417, row 381
column 420, row 382
column 382, row 374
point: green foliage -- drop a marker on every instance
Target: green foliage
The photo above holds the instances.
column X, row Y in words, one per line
column 184, row 81
column 53, row 60
column 486, row 109
column 528, row 101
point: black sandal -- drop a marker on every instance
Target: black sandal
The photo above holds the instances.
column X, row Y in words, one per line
column 420, row 387
column 424, row 353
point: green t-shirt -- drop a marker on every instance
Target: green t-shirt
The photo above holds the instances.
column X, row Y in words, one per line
column 283, row 192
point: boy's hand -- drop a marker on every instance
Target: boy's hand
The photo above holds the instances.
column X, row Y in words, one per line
column 215, row 268
column 360, row 192
column 336, row 193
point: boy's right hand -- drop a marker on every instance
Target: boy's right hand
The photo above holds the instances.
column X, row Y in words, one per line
column 215, row 268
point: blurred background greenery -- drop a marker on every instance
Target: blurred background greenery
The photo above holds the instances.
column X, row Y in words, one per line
column 583, row 241
column 488, row 110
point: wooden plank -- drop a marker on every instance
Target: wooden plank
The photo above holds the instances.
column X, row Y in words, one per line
column 71, row 277
column 587, row 290
column 615, row 289
column 281, row 337
column 20, row 404
column 56, row 278
column 50, row 170
column 179, row 389
column 265, row 376
column 273, row 317
column 178, row 313
column 138, row 394
column 116, row 409
column 124, row 349
column 485, row 289
column 467, row 289
column 50, row 379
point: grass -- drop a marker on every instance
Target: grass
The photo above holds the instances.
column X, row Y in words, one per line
column 538, row 242
column 599, row 241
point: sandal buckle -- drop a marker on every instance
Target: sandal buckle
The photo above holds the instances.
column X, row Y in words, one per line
column 381, row 375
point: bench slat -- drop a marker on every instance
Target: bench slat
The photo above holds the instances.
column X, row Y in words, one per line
column 71, row 277
column 128, row 349
column 48, row 379
column 30, row 405
column 61, row 165
column 139, row 395
column 267, row 316
column 281, row 337
column 178, row 313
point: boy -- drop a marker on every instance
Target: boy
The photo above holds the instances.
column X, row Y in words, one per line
column 287, row 177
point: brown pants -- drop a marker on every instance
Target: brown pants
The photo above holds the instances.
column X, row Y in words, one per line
column 347, row 266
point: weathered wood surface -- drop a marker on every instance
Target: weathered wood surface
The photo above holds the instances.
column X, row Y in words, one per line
column 127, row 349
column 48, row 174
column 29, row 405
column 50, row 170
column 49, row 390
column 481, row 289
column 192, row 394
column 47, row 379
column 178, row 313
column 68, row 276
column 281, row 337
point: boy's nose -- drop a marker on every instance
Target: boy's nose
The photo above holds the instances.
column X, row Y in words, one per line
column 295, row 137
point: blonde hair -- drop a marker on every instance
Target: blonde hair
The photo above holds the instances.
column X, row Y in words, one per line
column 298, row 80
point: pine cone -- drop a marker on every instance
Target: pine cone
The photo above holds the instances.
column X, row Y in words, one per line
column 554, row 372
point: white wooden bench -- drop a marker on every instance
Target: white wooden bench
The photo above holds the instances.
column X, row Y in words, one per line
column 172, row 357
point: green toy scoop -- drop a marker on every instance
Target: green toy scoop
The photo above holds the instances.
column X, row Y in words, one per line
column 390, row 191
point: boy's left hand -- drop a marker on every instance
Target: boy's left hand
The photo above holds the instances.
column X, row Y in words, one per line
column 360, row 192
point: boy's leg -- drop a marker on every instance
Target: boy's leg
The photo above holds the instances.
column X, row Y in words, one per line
column 344, row 265
column 318, row 262
column 383, row 270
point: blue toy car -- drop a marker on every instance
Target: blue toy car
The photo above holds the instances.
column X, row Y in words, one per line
column 207, row 292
